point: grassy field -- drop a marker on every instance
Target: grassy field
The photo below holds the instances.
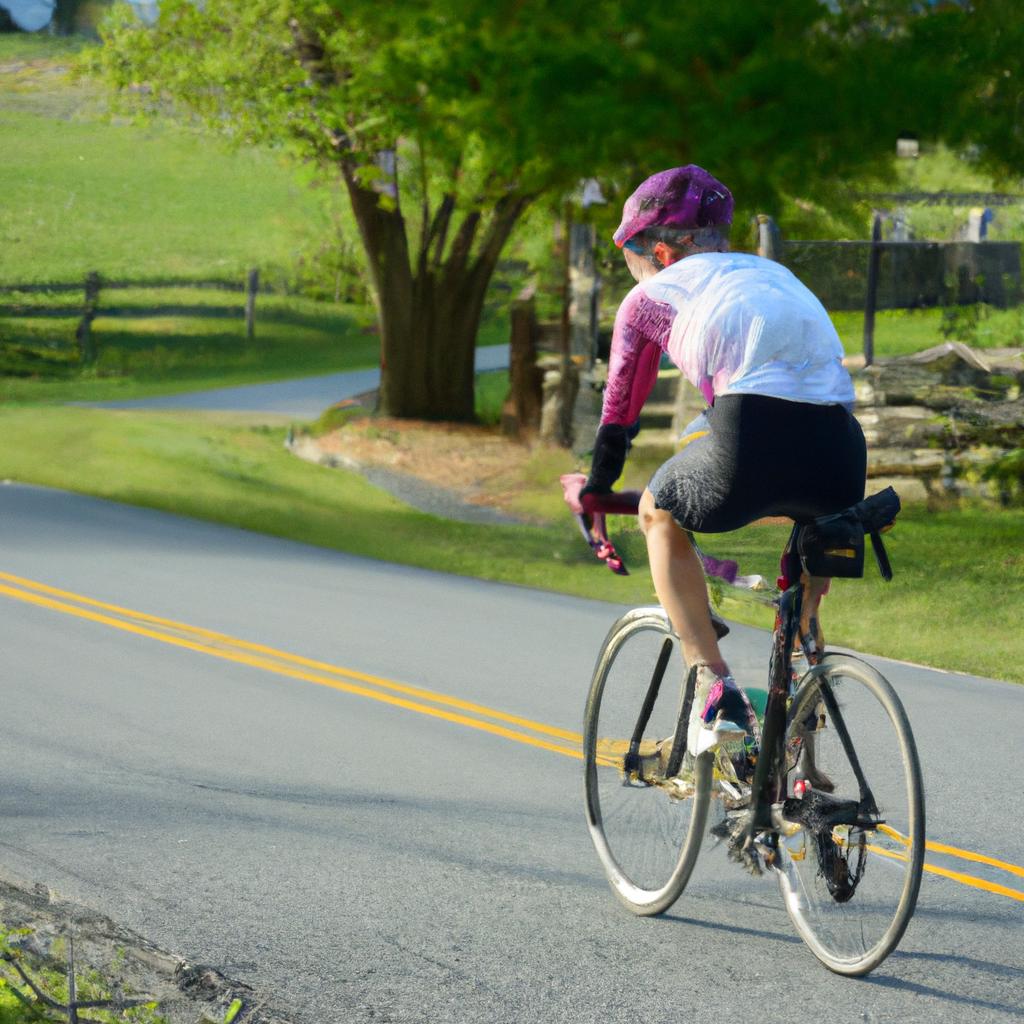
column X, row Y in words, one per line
column 900, row 332
column 172, row 340
column 82, row 192
column 145, row 204
column 957, row 600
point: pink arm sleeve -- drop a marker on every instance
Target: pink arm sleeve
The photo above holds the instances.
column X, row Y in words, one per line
column 642, row 327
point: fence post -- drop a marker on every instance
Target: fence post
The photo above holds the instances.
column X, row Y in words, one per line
column 769, row 238
column 252, row 285
column 83, row 333
column 584, row 286
column 521, row 414
column 871, row 298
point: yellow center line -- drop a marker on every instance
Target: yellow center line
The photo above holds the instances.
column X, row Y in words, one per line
column 270, row 665
column 269, row 659
column 956, row 876
column 955, row 851
column 213, row 639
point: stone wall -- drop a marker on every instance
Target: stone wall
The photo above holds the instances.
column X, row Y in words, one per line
column 935, row 421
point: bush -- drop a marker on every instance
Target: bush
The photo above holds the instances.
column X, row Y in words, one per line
column 1006, row 474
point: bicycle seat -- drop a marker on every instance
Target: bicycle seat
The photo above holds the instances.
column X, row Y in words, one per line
column 833, row 545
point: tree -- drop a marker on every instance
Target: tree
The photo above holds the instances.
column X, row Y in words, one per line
column 984, row 42
column 446, row 119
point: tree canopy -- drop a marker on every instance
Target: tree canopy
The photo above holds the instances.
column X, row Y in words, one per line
column 447, row 118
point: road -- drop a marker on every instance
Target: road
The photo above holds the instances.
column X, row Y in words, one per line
column 365, row 853
column 303, row 397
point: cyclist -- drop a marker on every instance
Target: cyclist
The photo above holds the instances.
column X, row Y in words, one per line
column 778, row 437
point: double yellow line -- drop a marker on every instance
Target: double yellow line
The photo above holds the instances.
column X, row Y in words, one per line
column 294, row 666
column 361, row 684
column 957, row 876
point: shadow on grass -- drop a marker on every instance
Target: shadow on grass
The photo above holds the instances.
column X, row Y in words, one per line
column 291, row 317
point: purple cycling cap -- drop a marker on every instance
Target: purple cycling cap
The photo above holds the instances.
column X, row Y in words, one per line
column 682, row 197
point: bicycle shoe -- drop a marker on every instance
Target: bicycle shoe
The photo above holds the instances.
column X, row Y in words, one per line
column 720, row 712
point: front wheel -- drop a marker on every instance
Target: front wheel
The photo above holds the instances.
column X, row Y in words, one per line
column 851, row 866
column 646, row 824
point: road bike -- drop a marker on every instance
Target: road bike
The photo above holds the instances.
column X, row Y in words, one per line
column 835, row 807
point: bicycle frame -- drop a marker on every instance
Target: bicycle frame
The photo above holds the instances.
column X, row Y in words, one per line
column 768, row 789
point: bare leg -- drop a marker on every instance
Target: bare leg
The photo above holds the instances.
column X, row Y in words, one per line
column 814, row 589
column 679, row 582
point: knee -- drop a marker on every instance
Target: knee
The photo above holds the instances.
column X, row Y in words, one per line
column 653, row 518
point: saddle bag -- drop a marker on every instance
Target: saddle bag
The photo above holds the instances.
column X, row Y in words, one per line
column 833, row 545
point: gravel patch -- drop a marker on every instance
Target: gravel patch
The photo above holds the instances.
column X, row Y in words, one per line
column 437, row 501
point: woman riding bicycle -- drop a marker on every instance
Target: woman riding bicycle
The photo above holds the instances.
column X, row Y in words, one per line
column 778, row 438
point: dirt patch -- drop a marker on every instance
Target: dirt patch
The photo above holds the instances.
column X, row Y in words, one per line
column 475, row 465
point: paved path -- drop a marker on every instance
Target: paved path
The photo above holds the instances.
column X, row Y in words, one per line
column 306, row 822
column 303, row 398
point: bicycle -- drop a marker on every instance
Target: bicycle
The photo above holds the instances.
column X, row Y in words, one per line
column 835, row 808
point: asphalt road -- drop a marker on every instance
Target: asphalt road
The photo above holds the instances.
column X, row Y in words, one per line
column 303, row 398
column 368, row 861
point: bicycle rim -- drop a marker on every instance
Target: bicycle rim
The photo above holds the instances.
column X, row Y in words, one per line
column 647, row 833
column 850, row 888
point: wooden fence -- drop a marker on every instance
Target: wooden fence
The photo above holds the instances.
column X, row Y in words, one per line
column 908, row 274
column 94, row 288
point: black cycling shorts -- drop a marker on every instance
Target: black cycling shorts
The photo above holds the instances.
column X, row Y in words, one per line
column 764, row 457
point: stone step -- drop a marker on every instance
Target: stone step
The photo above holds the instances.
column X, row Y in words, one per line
column 913, row 426
column 927, row 462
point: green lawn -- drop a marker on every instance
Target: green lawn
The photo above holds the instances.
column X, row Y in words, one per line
column 956, row 602
column 161, row 341
column 83, row 192
column 900, row 332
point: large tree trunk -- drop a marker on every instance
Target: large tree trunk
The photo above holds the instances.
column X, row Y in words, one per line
column 429, row 316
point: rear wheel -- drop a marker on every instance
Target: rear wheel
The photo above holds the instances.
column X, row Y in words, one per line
column 646, row 825
column 851, row 869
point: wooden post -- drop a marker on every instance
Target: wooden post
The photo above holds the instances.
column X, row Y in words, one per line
column 583, row 292
column 769, row 238
column 83, row 333
column 871, row 296
column 252, row 285
column 521, row 412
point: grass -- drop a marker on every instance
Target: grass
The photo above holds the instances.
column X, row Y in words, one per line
column 85, row 193
column 900, row 332
column 956, row 602
column 161, row 342
column 491, row 389
column 90, row 984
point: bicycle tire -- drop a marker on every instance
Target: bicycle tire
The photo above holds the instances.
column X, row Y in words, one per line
column 646, row 839
column 850, row 889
